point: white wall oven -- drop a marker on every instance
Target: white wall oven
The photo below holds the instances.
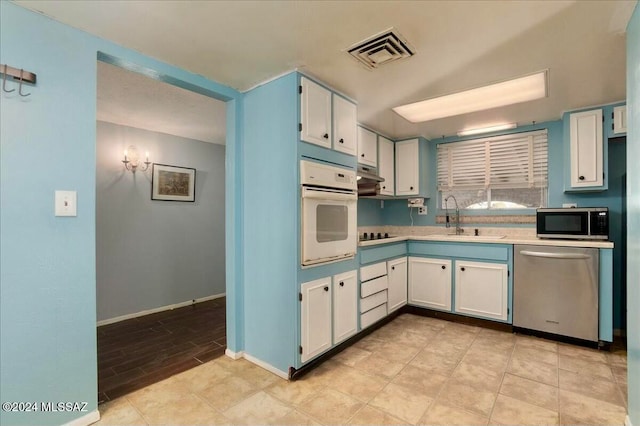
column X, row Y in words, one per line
column 328, row 213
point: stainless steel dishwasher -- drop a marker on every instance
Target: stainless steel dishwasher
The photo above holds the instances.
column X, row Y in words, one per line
column 555, row 290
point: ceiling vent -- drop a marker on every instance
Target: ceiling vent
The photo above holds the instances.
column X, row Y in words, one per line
column 384, row 48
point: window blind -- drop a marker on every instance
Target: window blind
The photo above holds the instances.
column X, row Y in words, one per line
column 504, row 162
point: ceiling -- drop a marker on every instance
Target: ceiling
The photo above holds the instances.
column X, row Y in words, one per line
column 131, row 99
column 459, row 45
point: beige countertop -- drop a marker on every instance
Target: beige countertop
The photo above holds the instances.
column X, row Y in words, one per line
column 491, row 239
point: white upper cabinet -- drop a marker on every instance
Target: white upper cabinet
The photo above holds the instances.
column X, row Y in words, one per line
column 586, row 149
column 407, row 167
column 481, row 289
column 315, row 114
column 430, row 283
column 386, row 166
column 397, row 291
column 367, row 147
column 345, row 136
column 345, row 306
column 315, row 316
column 620, row 120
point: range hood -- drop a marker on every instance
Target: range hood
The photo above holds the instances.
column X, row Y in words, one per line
column 368, row 181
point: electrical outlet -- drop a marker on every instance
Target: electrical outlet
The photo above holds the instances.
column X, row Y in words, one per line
column 422, row 210
column 565, row 205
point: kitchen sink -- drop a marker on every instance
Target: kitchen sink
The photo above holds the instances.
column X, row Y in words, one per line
column 468, row 236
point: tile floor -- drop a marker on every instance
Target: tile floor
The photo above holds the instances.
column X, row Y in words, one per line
column 414, row 370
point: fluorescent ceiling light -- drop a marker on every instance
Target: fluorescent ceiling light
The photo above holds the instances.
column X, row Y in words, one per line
column 522, row 89
column 495, row 128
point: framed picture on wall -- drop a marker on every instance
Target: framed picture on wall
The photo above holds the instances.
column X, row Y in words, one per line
column 172, row 183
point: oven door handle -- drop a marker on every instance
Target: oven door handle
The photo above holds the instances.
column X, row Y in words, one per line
column 554, row 255
column 328, row 194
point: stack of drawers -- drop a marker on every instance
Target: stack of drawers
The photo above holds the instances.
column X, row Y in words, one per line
column 373, row 293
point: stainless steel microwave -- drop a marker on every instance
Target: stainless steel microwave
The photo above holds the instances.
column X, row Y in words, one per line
column 576, row 223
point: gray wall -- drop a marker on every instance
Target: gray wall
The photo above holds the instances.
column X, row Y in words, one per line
column 156, row 253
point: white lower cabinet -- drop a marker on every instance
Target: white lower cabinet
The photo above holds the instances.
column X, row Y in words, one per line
column 328, row 304
column 397, row 277
column 315, row 315
column 430, row 283
column 345, row 306
column 481, row 289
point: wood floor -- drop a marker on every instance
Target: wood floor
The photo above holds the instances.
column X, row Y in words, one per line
column 135, row 353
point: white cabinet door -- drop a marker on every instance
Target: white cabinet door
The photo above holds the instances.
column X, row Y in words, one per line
column 430, row 283
column 345, row 306
column 315, row 114
column 367, row 147
column 397, row 292
column 385, row 166
column 407, row 167
column 315, row 315
column 586, row 149
column 620, row 119
column 345, row 138
column 481, row 289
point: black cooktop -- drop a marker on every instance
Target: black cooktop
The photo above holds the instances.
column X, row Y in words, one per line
column 371, row 236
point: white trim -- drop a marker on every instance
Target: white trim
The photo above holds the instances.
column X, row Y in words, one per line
column 627, row 421
column 233, row 355
column 256, row 361
column 563, row 112
column 269, row 80
column 159, row 309
column 87, row 419
column 266, row 366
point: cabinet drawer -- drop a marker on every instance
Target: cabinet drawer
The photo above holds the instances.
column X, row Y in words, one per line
column 373, row 271
column 372, row 316
column 373, row 286
column 377, row 299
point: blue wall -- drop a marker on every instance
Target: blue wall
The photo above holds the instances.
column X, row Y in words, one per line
column 633, row 215
column 271, row 194
column 47, row 263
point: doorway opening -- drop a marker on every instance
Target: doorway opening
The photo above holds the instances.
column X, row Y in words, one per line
column 160, row 264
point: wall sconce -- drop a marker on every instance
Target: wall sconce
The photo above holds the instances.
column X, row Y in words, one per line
column 132, row 159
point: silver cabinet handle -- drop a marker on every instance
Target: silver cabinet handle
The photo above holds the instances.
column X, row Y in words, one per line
column 554, row 255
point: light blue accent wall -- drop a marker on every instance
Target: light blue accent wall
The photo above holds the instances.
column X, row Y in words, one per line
column 150, row 253
column 271, row 254
column 633, row 215
column 369, row 212
column 47, row 263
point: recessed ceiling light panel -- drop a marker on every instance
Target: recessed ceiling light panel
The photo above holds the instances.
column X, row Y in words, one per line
column 383, row 48
column 517, row 90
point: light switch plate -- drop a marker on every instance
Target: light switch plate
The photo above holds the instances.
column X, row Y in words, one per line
column 66, row 203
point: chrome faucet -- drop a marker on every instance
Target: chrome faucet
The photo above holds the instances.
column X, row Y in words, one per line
column 459, row 230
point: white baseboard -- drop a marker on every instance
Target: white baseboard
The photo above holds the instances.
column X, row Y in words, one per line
column 233, row 355
column 266, row 366
column 627, row 421
column 85, row 420
column 256, row 361
column 160, row 309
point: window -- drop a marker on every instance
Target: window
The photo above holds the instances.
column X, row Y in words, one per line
column 503, row 172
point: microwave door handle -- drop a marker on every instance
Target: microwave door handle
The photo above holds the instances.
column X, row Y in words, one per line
column 554, row 255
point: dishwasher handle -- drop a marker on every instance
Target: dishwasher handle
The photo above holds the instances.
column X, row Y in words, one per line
column 554, row 255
